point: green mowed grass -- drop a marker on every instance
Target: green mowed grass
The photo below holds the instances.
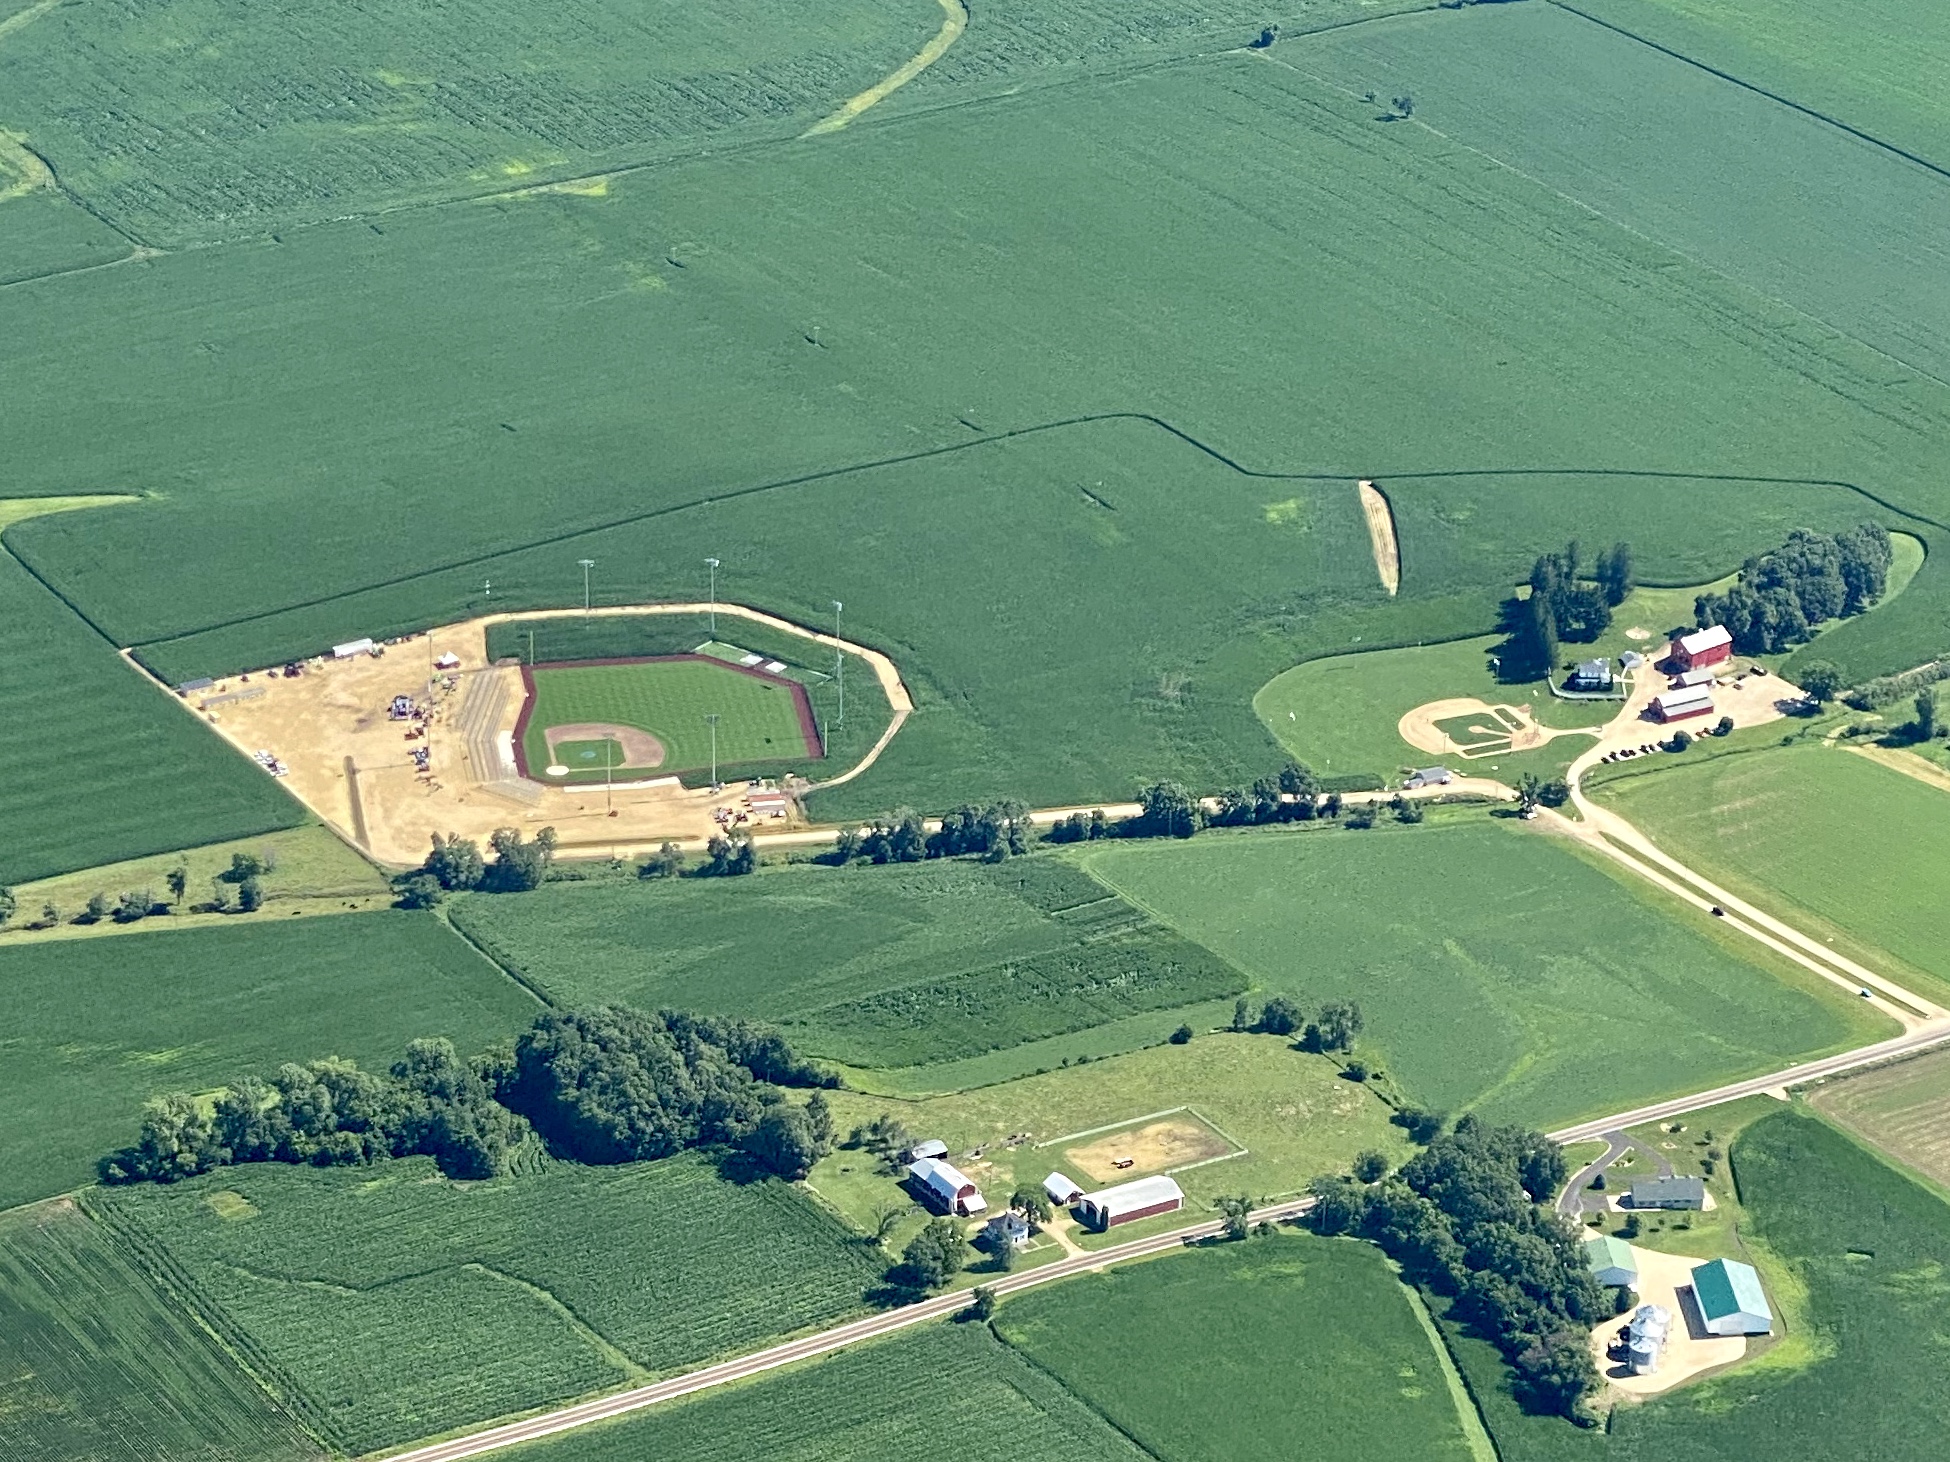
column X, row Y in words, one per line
column 1549, row 351
column 1865, row 1242
column 96, row 1360
column 1872, row 65
column 865, row 1404
column 149, row 778
column 405, row 1305
column 1211, row 1354
column 1498, row 970
column 91, row 1028
column 1295, row 1115
column 1857, row 845
column 899, row 966
column 1719, row 173
column 758, row 720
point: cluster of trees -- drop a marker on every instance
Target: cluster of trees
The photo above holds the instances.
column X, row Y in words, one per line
column 455, row 864
column 1566, row 606
column 1332, row 1028
column 1886, row 689
column 1470, row 1218
column 239, row 889
column 1000, row 830
column 1781, row 597
column 602, row 1086
column 330, row 1112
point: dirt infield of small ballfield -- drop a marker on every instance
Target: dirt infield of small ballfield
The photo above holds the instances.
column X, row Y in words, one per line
column 1156, row 1147
column 640, row 749
column 1420, row 730
column 353, row 766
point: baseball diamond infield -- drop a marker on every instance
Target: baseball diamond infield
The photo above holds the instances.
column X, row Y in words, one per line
column 653, row 712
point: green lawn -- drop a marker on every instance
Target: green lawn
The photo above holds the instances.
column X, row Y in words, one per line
column 1206, row 1356
column 1498, row 970
column 1813, row 831
column 1293, row 1113
column 405, row 1305
column 1862, row 1378
column 90, row 1028
column 97, row 1361
column 889, row 967
column 758, row 719
column 865, row 1405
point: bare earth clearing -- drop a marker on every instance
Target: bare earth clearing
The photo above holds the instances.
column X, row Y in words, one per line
column 354, row 767
column 1155, row 1148
column 1381, row 530
column 1420, row 730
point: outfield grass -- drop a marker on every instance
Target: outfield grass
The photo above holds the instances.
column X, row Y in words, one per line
column 1293, row 1113
column 93, row 1027
column 406, row 1305
column 865, row 1404
column 1863, row 1378
column 897, row 966
column 1210, row 1354
column 149, row 778
column 758, row 718
column 97, row 1361
column 1610, row 327
column 1829, row 834
column 1499, row 971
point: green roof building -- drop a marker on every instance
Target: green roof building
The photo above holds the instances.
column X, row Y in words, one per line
column 1611, row 1260
column 1730, row 1299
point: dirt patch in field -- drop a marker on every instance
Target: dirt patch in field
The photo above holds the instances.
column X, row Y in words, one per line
column 1381, row 532
column 1153, row 1148
column 640, row 748
column 1422, row 728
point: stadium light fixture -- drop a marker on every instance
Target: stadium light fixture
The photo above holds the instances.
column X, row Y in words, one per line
column 712, row 721
column 587, row 565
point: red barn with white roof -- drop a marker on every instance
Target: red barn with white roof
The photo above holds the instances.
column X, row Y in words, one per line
column 1701, row 648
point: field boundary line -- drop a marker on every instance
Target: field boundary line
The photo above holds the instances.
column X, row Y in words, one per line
column 952, row 26
column 1113, row 1126
column 1469, row 1416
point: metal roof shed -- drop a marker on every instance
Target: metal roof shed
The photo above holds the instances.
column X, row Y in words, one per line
column 1730, row 1298
column 1610, row 1260
column 932, row 1147
column 1062, row 1191
column 1128, row 1202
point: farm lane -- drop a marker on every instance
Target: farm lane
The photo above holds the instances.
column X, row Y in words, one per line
column 955, row 22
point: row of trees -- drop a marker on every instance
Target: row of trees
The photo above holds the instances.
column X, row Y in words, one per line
column 1781, row 597
column 455, row 865
column 601, row 1086
column 1000, row 830
column 1332, row 1028
column 1470, row 1218
column 239, row 888
column 1169, row 810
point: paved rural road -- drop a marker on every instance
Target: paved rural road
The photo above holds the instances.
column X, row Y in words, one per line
column 839, row 1337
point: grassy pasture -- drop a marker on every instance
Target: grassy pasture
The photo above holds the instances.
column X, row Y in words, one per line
column 97, row 1361
column 1499, row 971
column 759, row 719
column 863, row 1405
column 1612, row 329
column 1718, row 173
column 91, row 1028
column 1866, row 1242
column 406, row 1305
column 143, row 111
column 149, row 778
column 874, row 967
column 1206, row 1355
column 1903, row 1109
column 1874, row 65
column 1853, row 844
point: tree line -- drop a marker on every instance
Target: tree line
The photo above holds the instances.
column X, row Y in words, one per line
column 1780, row 598
column 608, row 1085
column 455, row 865
column 1470, row 1218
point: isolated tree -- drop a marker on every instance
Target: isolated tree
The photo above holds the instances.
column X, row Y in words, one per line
column 98, row 908
column 1280, row 1017
column 178, row 882
column 420, row 891
column 1723, row 726
column 1238, row 1216
column 981, row 1305
column 887, row 1219
column 1407, row 809
column 819, row 1112
column 1370, row 1166
column 1530, row 792
column 50, row 914
column 1822, row 680
column 932, row 1257
column 1182, row 1036
column 1242, row 1018
column 133, row 905
column 1340, row 1021
column 1681, row 739
column 250, row 896
column 1554, row 793
column 456, row 862
column 1924, row 726
column 666, row 862
column 245, row 865
column 1031, row 1202
column 1361, row 815
column 1404, row 105
column 8, row 903
column 220, row 895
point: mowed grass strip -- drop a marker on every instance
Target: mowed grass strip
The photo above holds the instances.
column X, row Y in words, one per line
column 100, row 766
column 867, row 1404
column 407, row 1305
column 1499, row 971
column 91, row 1028
column 758, row 718
column 1208, row 1356
column 1857, row 845
column 97, row 1361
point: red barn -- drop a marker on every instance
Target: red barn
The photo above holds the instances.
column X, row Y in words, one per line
column 1701, row 648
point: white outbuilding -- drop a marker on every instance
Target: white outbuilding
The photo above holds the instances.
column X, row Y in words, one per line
column 351, row 648
column 1128, row 1202
column 1061, row 1191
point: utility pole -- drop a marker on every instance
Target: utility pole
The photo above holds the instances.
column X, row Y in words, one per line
column 609, row 806
column 714, row 596
column 839, row 668
column 587, row 565
column 531, row 649
column 712, row 720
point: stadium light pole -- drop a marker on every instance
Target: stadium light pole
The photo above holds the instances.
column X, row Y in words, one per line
column 587, row 565
column 712, row 721
column 714, row 596
column 839, row 668
column 609, row 806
